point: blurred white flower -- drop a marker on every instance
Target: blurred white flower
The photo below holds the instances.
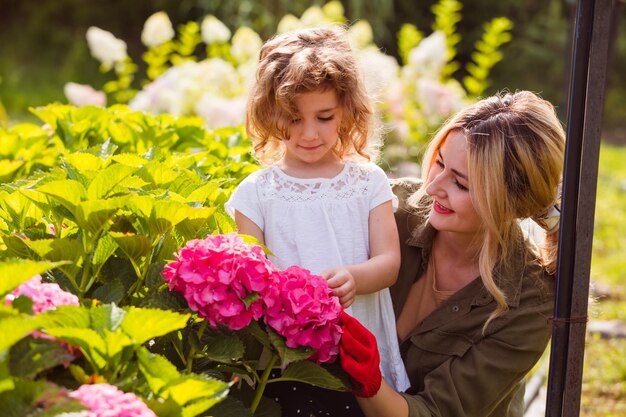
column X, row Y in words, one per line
column 288, row 23
column 313, row 16
column 84, row 95
column 439, row 100
column 214, row 31
column 157, row 30
column 379, row 70
column 105, row 47
column 178, row 90
column 246, row 45
column 221, row 112
column 360, row 34
column 429, row 56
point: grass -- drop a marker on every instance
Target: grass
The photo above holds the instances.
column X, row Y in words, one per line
column 604, row 369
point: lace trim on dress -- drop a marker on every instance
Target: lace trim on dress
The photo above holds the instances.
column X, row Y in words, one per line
column 353, row 180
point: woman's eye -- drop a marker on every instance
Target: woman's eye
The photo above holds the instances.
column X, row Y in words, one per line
column 460, row 186
column 439, row 163
column 294, row 121
column 326, row 118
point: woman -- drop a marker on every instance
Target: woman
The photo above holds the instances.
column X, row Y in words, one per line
column 474, row 294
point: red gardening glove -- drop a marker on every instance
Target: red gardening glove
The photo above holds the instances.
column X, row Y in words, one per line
column 358, row 353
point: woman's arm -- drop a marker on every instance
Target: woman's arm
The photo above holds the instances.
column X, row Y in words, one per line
column 386, row 403
column 378, row 272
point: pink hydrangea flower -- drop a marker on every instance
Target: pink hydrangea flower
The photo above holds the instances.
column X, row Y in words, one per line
column 104, row 400
column 221, row 277
column 301, row 308
column 45, row 296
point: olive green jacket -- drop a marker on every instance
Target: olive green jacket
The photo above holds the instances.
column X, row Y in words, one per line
column 455, row 369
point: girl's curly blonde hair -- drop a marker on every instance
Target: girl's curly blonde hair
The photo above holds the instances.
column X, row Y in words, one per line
column 307, row 60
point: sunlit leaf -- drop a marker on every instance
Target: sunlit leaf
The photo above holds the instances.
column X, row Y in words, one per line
column 14, row 328
column 15, row 272
column 143, row 324
column 107, row 179
column 157, row 370
column 69, row 193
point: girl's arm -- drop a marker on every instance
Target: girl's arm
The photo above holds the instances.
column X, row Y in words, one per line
column 248, row 227
column 381, row 270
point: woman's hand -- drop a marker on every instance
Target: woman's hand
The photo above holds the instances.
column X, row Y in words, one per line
column 342, row 282
column 359, row 357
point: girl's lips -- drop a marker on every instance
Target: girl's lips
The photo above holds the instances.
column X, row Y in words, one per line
column 441, row 209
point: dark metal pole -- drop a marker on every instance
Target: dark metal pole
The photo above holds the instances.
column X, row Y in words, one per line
column 586, row 99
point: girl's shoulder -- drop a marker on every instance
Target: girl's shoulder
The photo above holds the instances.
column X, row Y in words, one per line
column 367, row 170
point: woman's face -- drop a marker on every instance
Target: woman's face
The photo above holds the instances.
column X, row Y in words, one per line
column 452, row 209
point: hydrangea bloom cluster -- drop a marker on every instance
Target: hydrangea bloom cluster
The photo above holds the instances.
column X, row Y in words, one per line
column 302, row 309
column 221, row 277
column 45, row 296
column 104, row 400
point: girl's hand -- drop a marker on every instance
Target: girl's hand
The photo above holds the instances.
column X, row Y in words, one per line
column 342, row 283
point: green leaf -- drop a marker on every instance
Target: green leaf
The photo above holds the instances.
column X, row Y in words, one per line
column 65, row 316
column 95, row 214
column 157, row 370
column 6, row 379
column 68, row 193
column 83, row 162
column 143, row 324
column 89, row 341
column 232, row 407
column 107, row 180
column 134, row 246
column 311, row 373
column 224, row 348
column 196, row 387
column 130, row 159
column 107, row 317
column 18, row 402
column 31, row 356
column 105, row 248
column 14, row 328
column 112, row 291
column 15, row 272
column 287, row 354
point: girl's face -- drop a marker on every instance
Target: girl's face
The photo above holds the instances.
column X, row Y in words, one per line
column 314, row 131
column 452, row 208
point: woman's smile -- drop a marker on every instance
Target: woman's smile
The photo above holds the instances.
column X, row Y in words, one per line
column 441, row 209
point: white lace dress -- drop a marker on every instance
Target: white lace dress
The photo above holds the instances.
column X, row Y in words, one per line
column 321, row 223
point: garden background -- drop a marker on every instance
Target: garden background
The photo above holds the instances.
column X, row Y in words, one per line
column 43, row 47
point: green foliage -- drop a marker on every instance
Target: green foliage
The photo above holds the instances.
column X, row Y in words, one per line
column 409, row 37
column 121, row 192
column 447, row 15
column 608, row 263
column 487, row 54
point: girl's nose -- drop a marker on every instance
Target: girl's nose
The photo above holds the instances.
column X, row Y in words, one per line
column 309, row 131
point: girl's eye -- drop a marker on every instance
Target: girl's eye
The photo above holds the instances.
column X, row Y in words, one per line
column 326, row 118
column 439, row 163
column 294, row 121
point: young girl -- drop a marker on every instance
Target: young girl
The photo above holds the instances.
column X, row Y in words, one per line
column 321, row 203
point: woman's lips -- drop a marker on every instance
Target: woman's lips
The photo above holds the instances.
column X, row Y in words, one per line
column 441, row 209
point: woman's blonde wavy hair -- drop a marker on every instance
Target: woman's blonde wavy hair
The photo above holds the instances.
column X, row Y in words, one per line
column 515, row 146
column 308, row 60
